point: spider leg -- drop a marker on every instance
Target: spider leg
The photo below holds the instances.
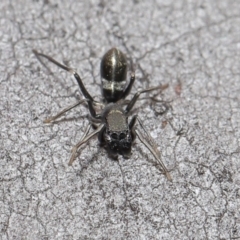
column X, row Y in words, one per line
column 84, row 91
column 149, row 143
column 137, row 94
column 85, row 138
column 132, row 80
column 53, row 118
column 71, row 70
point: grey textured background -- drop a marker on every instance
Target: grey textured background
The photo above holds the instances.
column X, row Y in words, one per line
column 191, row 45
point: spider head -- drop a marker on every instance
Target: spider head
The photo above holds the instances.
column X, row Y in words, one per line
column 118, row 142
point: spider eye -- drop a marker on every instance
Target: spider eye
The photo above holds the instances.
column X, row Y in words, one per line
column 114, row 136
column 122, row 136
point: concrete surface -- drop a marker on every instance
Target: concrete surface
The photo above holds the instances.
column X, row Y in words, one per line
column 191, row 45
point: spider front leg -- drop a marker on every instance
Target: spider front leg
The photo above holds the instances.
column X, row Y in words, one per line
column 149, row 143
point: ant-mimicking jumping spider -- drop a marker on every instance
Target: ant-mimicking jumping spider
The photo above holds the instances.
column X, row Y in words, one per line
column 112, row 123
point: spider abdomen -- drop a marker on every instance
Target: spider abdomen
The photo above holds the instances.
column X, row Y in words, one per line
column 113, row 74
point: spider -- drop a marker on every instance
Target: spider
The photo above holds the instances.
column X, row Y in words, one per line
column 111, row 124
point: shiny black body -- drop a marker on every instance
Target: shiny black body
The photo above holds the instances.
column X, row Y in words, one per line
column 111, row 123
column 113, row 75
